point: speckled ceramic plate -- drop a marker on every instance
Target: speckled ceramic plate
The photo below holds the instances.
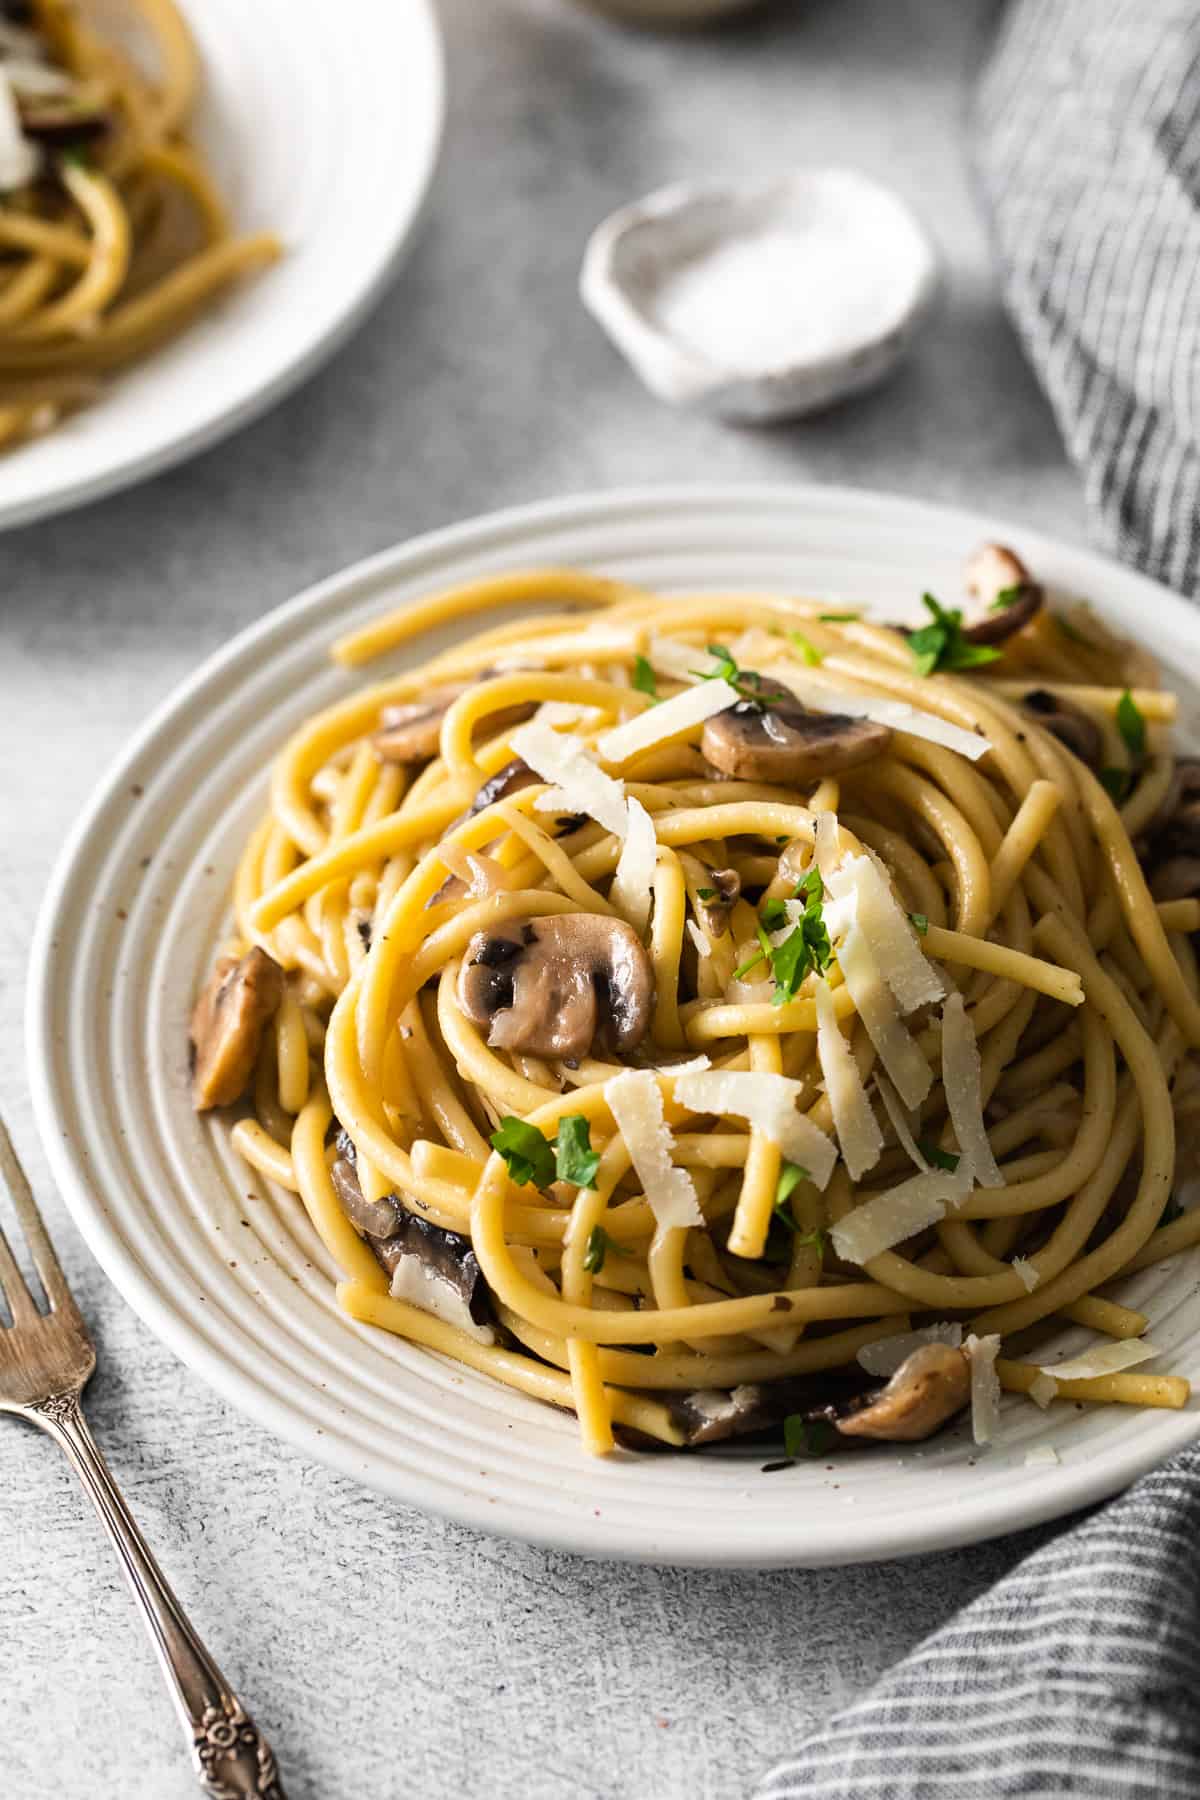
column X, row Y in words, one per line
column 230, row 1274
column 298, row 98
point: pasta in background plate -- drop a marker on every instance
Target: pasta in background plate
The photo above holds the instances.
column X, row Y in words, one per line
column 719, row 1014
column 113, row 235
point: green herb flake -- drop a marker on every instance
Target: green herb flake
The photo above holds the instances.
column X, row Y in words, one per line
column 839, row 618
column 644, row 678
column 528, row 1155
column 706, row 893
column 1006, row 597
column 773, row 914
column 598, row 1246
column 943, row 645
column 1131, row 724
column 726, row 669
column 807, row 1437
column 790, row 1177
column 919, row 923
column 1116, row 784
column 759, row 956
column 575, row 1160
column 937, row 1157
column 807, row 649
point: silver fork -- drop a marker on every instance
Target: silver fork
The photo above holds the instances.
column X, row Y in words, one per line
column 45, row 1361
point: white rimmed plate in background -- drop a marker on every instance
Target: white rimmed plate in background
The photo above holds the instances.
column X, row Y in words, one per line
column 322, row 124
column 230, row 1274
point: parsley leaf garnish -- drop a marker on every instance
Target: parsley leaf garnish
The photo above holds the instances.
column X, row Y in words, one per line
column 806, row 947
column 1131, row 724
column 937, row 1157
column 726, row 669
column 575, row 1160
column 943, row 644
column 807, row 1437
column 1005, row 598
column 706, row 893
column 773, row 914
column 644, row 678
column 919, row 922
column 1116, row 784
column 838, row 618
column 533, row 1158
column 790, row 1177
column 598, row 1246
column 807, row 649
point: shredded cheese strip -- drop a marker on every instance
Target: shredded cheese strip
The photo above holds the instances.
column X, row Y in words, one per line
column 858, row 1133
column 961, row 1075
column 667, row 720
column 768, row 1101
column 879, row 1224
column 636, row 1106
column 899, row 1051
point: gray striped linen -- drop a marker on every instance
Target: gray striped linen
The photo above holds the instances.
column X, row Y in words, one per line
column 1079, row 1673
column 1075, row 1675
column 1087, row 144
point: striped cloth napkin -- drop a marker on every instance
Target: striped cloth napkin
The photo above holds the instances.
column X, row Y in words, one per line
column 1079, row 1673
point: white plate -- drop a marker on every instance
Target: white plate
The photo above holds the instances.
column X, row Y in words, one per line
column 235, row 1280
column 322, row 124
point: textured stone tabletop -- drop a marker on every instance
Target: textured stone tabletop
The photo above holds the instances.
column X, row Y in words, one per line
column 387, row 1654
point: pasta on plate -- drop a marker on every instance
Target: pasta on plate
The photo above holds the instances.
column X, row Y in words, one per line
column 719, row 1014
column 113, row 234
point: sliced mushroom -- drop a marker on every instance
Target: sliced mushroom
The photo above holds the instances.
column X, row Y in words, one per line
column 775, row 738
column 1068, row 723
column 712, row 1414
column 1177, row 879
column 726, row 886
column 928, row 1388
column 514, row 776
column 552, row 986
column 996, row 570
column 79, row 116
column 411, row 733
column 431, row 1268
column 227, row 1026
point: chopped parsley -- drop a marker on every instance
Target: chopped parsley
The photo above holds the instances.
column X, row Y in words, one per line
column 937, row 1157
column 598, row 1246
column 749, row 685
column 943, row 645
column 1116, row 784
column 1131, row 724
column 807, row 649
column 706, row 893
column 807, row 1437
column 1006, row 597
column 533, row 1158
column 790, row 1177
column 919, row 922
column 838, row 618
column 807, row 946
column 643, row 677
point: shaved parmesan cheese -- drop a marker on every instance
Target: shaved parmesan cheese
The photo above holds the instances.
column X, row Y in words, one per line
column 885, row 1355
column 769, row 1102
column 582, row 787
column 898, row 1050
column 681, row 661
column 1041, row 1456
column 985, row 1387
column 636, row 1105
column 896, row 1112
column 1043, row 1390
column 703, row 947
column 1025, row 1269
column 20, row 159
column 896, row 714
column 1105, row 1359
column 961, row 1078
column 682, row 712
column 827, row 844
column 892, row 941
column 856, row 1125
column 900, row 1213
column 633, row 882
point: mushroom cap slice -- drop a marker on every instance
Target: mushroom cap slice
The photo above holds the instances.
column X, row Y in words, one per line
column 227, row 1026
column 726, row 885
column 552, row 986
column 411, row 733
column 928, row 1388
column 1073, row 727
column 775, row 738
column 994, row 570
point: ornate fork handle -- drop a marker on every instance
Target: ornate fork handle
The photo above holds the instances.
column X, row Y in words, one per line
column 232, row 1758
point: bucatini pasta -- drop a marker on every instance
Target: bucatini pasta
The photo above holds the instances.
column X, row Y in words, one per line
column 113, row 234
column 714, row 1012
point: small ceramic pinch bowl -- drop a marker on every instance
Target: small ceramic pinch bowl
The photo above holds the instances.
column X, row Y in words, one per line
column 762, row 301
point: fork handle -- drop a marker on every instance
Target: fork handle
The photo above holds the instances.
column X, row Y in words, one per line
column 232, row 1758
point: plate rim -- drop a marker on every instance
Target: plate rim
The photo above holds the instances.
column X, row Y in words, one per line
column 1061, row 1490
column 156, row 459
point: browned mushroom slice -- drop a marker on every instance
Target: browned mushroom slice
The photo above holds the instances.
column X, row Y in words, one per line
column 994, row 570
column 227, row 1026
column 928, row 1388
column 514, row 776
column 1177, row 879
column 1069, row 724
column 411, row 733
column 81, row 113
column 775, row 738
column 433, row 1269
column 552, row 986
column 717, row 899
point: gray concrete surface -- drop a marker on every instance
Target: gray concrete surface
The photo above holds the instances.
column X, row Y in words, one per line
column 388, row 1654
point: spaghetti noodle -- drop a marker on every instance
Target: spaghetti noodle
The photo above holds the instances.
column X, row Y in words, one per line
column 696, row 1011
column 113, row 234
